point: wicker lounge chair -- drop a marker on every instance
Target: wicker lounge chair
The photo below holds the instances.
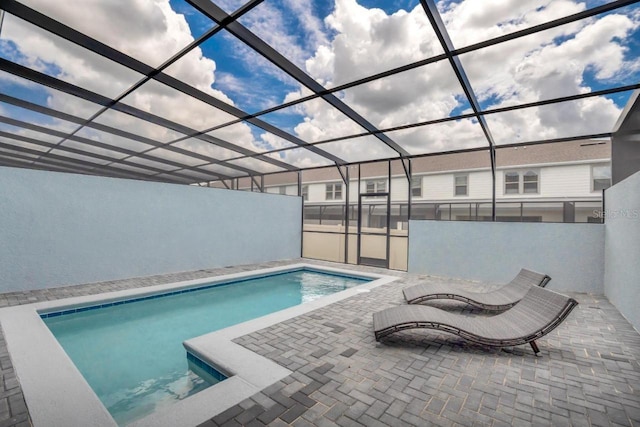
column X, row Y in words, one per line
column 500, row 299
column 537, row 314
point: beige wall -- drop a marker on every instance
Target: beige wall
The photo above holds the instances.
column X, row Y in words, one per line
column 319, row 242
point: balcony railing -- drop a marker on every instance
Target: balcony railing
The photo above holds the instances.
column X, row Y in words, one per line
column 577, row 211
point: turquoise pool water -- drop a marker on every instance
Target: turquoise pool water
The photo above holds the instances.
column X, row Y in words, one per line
column 132, row 354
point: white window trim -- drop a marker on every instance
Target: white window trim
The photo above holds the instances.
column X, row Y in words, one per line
column 419, row 180
column 504, row 179
column 376, row 187
column 458, row 175
column 333, row 191
column 537, row 172
column 521, row 173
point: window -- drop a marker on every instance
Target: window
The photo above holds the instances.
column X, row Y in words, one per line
column 601, row 177
column 377, row 186
column 416, row 186
column 527, row 185
column 461, row 185
column 305, row 193
column 334, row 191
column 282, row 189
column 511, row 183
column 371, row 187
column 530, row 182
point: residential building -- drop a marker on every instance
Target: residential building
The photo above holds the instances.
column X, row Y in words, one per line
column 537, row 183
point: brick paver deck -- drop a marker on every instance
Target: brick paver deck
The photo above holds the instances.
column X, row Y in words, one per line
column 588, row 372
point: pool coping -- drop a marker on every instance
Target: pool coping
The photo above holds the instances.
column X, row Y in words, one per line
column 62, row 397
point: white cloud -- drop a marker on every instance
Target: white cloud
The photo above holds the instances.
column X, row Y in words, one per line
column 259, row 84
column 147, row 30
column 445, row 136
column 351, row 43
column 582, row 117
column 312, row 26
column 360, row 149
column 540, row 67
column 471, row 21
column 274, row 142
column 53, row 55
column 291, row 28
column 545, row 65
column 302, row 158
column 230, row 6
column 369, row 41
column 324, row 122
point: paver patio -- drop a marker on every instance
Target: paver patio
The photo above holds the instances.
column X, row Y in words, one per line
column 588, row 372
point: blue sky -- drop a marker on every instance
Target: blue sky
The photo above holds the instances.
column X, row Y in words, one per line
column 390, row 6
column 250, row 80
column 339, row 41
column 253, row 88
column 255, row 84
column 32, row 93
column 198, row 23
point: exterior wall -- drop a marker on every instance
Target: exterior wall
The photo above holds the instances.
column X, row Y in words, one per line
column 480, row 184
column 324, row 246
column 399, row 189
column 572, row 254
column 290, row 190
column 318, row 191
column 441, row 186
column 563, row 181
column 353, row 193
column 438, row 187
column 622, row 247
column 60, row 229
column 558, row 181
column 322, row 242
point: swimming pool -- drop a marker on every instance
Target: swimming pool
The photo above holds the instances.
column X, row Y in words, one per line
column 131, row 353
column 56, row 393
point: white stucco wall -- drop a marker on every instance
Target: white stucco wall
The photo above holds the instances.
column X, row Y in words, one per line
column 60, row 229
column 572, row 254
column 622, row 247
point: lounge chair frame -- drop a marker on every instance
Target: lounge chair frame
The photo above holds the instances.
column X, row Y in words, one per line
column 561, row 308
column 514, row 291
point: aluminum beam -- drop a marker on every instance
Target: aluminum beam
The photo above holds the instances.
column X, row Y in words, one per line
column 108, row 52
column 241, row 32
